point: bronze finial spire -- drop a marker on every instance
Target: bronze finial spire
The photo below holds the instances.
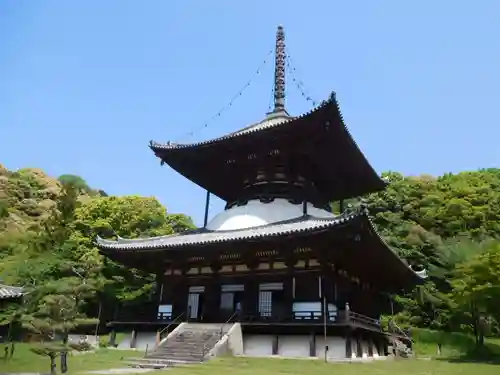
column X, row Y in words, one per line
column 279, row 71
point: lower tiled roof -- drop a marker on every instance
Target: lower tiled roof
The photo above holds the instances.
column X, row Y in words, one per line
column 204, row 236
column 7, row 291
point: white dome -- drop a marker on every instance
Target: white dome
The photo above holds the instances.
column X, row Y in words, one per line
column 256, row 213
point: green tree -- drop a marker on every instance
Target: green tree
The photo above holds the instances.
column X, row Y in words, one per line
column 75, row 181
column 476, row 290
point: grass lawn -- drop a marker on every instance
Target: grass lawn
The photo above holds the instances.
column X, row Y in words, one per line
column 254, row 366
column 26, row 361
column 455, row 349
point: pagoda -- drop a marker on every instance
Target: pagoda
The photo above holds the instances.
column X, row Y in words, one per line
column 277, row 259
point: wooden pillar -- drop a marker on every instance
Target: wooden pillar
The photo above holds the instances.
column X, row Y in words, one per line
column 328, row 285
column 312, row 344
column 211, row 306
column 359, row 346
column 348, row 345
column 112, row 338
column 207, row 205
column 377, row 346
column 179, row 297
column 385, row 347
column 321, row 285
column 289, row 286
column 275, row 344
column 370, row 346
column 251, row 297
column 133, row 339
column 160, row 277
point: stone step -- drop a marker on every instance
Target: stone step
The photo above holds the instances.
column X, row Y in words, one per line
column 190, row 346
column 194, row 346
column 147, row 365
column 161, row 361
column 188, row 342
column 176, row 355
column 168, row 353
column 192, row 339
column 182, row 358
column 159, row 366
column 179, row 350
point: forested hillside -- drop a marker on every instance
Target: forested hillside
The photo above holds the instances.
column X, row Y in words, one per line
column 47, row 232
column 449, row 225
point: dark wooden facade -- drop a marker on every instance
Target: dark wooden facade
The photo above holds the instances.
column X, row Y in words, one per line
column 272, row 292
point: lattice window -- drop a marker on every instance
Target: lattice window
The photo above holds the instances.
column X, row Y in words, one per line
column 265, row 303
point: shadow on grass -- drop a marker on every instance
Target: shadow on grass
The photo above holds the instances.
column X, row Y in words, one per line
column 489, row 354
column 456, row 347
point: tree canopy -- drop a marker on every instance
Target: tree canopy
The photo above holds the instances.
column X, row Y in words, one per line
column 449, row 225
column 53, row 254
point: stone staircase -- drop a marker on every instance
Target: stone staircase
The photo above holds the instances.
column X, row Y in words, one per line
column 400, row 341
column 188, row 346
column 400, row 348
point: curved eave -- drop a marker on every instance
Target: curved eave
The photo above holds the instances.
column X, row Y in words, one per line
column 205, row 237
column 407, row 272
column 190, row 160
column 192, row 239
column 10, row 292
column 370, row 258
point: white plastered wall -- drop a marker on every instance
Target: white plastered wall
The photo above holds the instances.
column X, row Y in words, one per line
column 256, row 213
column 336, row 347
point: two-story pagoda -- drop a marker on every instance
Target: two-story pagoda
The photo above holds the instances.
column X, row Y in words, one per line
column 277, row 259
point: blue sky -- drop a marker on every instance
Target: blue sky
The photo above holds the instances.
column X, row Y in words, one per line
column 84, row 85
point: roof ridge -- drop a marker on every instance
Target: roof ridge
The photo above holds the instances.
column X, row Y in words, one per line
column 10, row 286
column 347, row 215
column 241, row 132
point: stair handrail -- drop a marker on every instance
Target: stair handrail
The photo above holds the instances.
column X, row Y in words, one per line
column 393, row 324
column 172, row 322
column 204, row 351
column 227, row 321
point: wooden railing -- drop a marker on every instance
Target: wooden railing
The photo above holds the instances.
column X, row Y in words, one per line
column 334, row 317
column 164, row 316
column 403, row 333
column 226, row 322
column 176, row 320
column 307, row 315
column 352, row 317
column 314, row 316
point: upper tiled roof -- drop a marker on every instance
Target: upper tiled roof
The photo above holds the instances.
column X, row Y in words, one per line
column 376, row 254
column 321, row 134
column 267, row 123
column 7, row 291
column 204, row 236
column 270, row 121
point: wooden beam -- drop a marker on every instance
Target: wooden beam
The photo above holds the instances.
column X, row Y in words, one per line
column 207, row 204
